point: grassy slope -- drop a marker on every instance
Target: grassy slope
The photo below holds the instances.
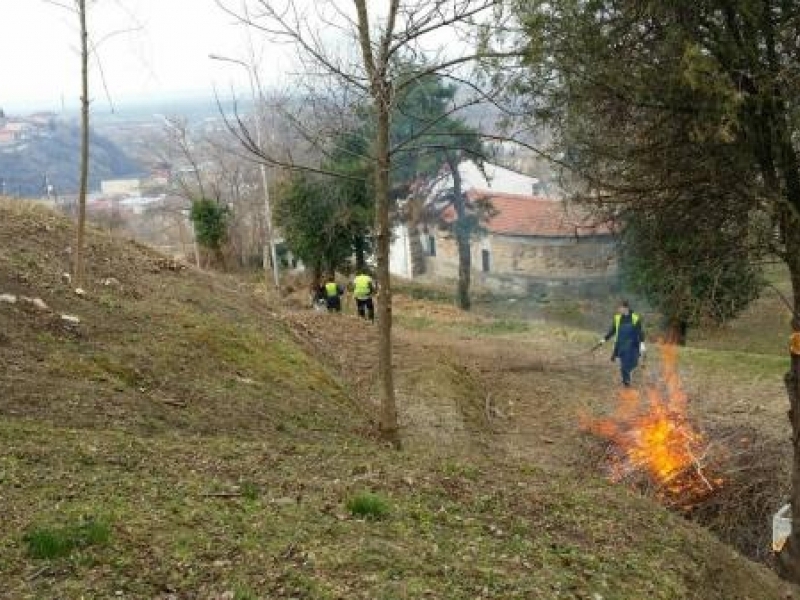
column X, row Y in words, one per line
column 221, row 451
column 733, row 376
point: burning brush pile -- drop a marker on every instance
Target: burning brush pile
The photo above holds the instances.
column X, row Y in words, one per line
column 653, row 445
column 728, row 479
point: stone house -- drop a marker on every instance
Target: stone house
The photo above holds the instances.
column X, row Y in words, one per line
column 531, row 245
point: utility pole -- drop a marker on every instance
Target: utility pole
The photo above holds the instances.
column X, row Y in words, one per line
column 255, row 86
column 270, row 254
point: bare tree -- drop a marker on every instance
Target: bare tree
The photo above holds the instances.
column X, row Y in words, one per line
column 179, row 138
column 358, row 53
column 88, row 49
column 80, row 10
column 209, row 166
column 78, row 265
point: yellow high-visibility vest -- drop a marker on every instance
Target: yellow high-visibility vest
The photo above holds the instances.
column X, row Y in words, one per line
column 618, row 320
column 362, row 287
column 331, row 289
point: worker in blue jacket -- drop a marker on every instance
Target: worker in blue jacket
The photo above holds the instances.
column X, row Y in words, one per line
column 628, row 335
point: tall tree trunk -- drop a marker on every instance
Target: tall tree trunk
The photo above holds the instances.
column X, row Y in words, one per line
column 787, row 159
column 464, row 267
column 376, row 64
column 789, row 558
column 463, row 235
column 416, row 250
column 360, row 244
column 78, row 263
column 376, row 67
column 388, row 421
column 316, row 281
column 676, row 331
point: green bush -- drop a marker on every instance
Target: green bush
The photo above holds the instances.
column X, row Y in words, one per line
column 368, row 506
column 210, row 220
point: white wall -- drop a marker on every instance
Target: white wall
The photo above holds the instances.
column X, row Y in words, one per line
column 492, row 178
column 400, row 252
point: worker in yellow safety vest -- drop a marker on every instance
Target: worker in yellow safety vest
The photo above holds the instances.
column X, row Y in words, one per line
column 628, row 334
column 332, row 293
column 363, row 290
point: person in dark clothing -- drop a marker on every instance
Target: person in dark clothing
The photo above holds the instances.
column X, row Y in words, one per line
column 628, row 335
column 332, row 292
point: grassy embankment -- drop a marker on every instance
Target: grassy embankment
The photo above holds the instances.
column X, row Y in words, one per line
column 189, row 440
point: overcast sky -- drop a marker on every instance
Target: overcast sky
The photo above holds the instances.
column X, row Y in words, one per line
column 163, row 49
column 168, row 54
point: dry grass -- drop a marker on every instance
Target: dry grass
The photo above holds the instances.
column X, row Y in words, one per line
column 220, row 439
column 736, row 396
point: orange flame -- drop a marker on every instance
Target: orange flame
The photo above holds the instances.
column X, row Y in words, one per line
column 653, row 436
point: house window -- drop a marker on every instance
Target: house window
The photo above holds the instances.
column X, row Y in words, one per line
column 486, row 261
column 431, row 246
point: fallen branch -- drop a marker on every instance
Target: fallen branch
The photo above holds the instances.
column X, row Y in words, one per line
column 174, row 402
column 699, row 469
column 38, row 573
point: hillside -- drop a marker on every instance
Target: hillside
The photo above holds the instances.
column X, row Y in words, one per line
column 55, row 154
column 195, row 440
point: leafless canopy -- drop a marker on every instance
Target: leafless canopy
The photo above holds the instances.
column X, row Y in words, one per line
column 456, row 40
column 356, row 61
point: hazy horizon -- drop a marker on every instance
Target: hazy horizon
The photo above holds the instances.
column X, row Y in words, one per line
column 163, row 52
column 130, row 103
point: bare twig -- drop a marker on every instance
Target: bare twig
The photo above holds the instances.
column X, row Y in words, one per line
column 38, row 573
column 784, row 299
column 699, row 468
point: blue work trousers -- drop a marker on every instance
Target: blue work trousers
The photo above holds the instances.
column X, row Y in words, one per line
column 628, row 361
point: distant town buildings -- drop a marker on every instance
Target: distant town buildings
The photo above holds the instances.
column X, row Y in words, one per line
column 121, row 187
column 18, row 130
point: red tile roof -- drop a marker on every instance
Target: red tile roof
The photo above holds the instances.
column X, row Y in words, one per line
column 534, row 216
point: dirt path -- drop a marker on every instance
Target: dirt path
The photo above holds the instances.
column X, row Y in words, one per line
column 534, row 392
column 520, row 395
column 431, row 381
column 462, row 388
